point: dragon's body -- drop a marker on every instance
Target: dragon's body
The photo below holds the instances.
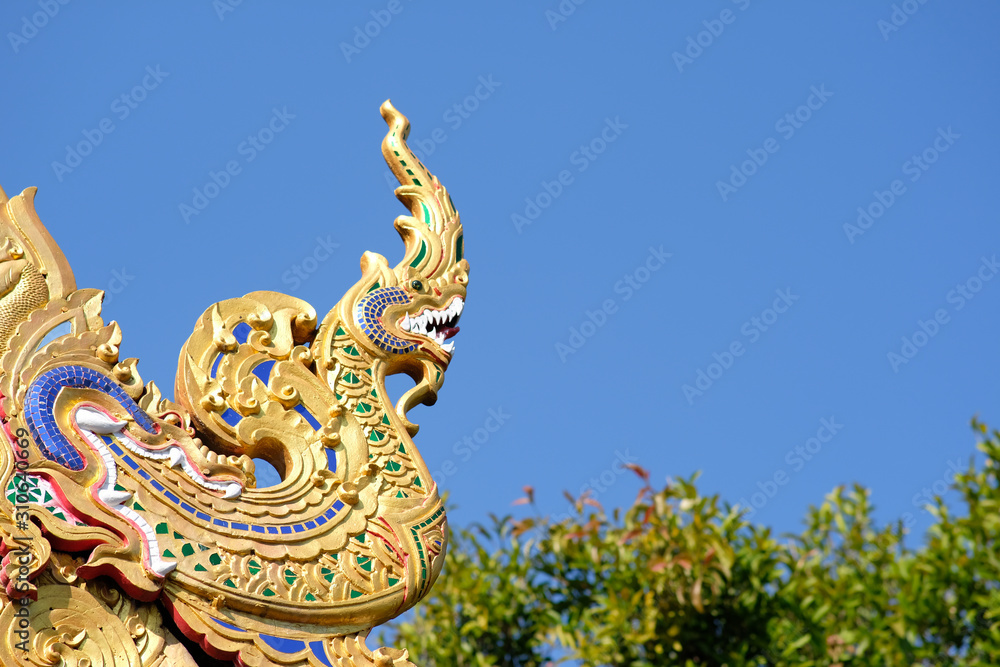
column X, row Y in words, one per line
column 129, row 520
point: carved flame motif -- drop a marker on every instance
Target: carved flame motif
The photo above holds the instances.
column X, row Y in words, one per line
column 119, row 504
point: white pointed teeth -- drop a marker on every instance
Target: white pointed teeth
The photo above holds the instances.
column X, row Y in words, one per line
column 428, row 322
column 162, row 568
column 176, row 457
column 97, row 422
column 113, row 497
column 234, row 490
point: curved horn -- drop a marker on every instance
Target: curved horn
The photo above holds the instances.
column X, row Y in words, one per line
column 432, row 232
column 20, row 223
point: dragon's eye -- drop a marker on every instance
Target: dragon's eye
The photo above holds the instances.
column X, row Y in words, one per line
column 417, row 285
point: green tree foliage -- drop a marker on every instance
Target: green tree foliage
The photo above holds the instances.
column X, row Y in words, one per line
column 683, row 579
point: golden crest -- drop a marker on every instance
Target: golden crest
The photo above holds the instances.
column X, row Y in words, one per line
column 132, row 525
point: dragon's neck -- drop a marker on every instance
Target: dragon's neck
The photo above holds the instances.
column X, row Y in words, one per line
column 359, row 386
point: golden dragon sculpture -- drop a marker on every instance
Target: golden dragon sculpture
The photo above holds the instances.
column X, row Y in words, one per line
column 133, row 531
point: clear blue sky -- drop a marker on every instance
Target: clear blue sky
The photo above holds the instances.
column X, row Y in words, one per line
column 625, row 135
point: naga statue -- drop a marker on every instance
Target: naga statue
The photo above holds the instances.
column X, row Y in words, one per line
column 133, row 530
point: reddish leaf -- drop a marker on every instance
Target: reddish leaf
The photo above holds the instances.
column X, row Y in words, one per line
column 521, row 528
column 629, row 535
column 638, row 470
column 649, row 513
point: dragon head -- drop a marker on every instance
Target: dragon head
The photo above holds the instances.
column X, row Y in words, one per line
column 405, row 317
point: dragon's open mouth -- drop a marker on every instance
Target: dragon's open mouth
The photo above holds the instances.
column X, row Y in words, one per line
column 438, row 325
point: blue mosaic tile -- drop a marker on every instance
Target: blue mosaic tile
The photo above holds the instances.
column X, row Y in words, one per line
column 215, row 364
column 301, row 409
column 40, row 401
column 281, row 644
column 368, row 314
column 242, row 331
column 263, row 370
column 227, row 625
column 320, row 652
column 231, row 417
